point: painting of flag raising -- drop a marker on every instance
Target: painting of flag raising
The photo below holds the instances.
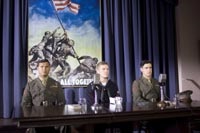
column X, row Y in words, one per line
column 68, row 34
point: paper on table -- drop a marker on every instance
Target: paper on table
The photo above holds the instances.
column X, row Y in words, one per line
column 112, row 107
column 74, row 107
column 112, row 100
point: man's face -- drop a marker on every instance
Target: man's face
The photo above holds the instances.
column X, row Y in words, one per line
column 103, row 70
column 43, row 69
column 146, row 70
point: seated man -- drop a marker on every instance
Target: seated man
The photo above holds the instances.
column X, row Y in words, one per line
column 146, row 88
column 107, row 88
column 43, row 91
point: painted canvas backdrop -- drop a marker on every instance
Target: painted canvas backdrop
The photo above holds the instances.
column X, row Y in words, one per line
column 68, row 34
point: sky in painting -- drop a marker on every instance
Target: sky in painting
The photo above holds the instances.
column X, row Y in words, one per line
column 84, row 27
column 89, row 11
column 84, row 24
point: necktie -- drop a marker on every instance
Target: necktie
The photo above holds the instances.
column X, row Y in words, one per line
column 44, row 82
column 150, row 83
column 104, row 95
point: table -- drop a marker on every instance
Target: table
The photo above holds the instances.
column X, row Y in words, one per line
column 61, row 115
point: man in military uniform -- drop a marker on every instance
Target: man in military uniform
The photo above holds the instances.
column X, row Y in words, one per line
column 146, row 88
column 43, row 90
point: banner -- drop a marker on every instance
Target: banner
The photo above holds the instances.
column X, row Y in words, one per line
column 68, row 34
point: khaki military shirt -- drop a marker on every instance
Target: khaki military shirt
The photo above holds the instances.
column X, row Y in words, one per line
column 145, row 91
column 37, row 94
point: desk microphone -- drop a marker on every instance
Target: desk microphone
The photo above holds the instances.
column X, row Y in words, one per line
column 96, row 79
column 162, row 79
column 96, row 82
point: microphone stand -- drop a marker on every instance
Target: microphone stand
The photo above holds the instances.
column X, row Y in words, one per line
column 95, row 107
column 162, row 103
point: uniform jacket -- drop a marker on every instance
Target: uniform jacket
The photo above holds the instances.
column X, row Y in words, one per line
column 103, row 92
column 145, row 91
column 36, row 93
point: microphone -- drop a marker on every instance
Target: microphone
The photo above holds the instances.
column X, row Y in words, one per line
column 96, row 79
column 162, row 79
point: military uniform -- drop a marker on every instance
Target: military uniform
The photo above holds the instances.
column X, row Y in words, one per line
column 145, row 91
column 103, row 92
column 37, row 94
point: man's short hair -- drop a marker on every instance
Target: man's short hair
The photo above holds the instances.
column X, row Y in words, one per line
column 101, row 63
column 42, row 61
column 145, row 62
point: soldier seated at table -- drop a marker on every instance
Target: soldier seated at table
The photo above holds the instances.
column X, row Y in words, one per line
column 146, row 88
column 43, row 91
column 146, row 92
column 107, row 88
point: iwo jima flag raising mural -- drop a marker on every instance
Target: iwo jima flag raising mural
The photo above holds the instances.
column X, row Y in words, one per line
column 67, row 33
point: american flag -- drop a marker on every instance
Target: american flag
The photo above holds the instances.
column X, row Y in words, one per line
column 62, row 4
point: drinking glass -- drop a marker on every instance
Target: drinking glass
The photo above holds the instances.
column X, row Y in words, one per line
column 118, row 104
column 82, row 102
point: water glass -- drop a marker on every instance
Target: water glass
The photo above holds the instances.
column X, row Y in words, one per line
column 118, row 104
column 45, row 103
column 82, row 102
column 118, row 100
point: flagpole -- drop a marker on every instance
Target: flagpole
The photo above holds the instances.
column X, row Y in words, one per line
column 64, row 29
column 57, row 16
